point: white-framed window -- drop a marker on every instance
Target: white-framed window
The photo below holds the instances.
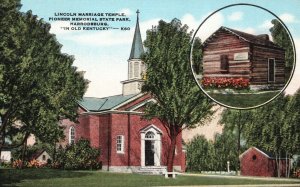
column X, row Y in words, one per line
column 71, row 135
column 120, row 144
column 271, row 70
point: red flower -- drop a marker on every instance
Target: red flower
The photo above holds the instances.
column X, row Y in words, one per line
column 222, row 82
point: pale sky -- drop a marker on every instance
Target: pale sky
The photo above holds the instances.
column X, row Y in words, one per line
column 103, row 54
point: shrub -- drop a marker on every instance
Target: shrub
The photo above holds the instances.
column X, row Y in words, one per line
column 5, row 164
column 18, row 164
column 36, row 164
column 234, row 83
column 78, row 156
column 296, row 173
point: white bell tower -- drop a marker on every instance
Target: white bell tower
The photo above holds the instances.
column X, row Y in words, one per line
column 136, row 67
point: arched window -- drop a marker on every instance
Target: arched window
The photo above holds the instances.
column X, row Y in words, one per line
column 71, row 135
column 150, row 135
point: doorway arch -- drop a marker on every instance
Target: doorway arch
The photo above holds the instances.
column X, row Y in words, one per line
column 151, row 146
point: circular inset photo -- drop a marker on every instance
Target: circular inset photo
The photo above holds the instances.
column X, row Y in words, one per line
column 247, row 56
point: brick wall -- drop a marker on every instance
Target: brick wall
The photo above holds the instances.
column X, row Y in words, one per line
column 255, row 163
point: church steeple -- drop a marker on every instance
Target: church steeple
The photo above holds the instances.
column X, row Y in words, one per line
column 136, row 67
column 137, row 44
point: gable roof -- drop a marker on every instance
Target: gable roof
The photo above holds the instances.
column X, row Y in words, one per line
column 137, row 45
column 254, row 39
column 265, row 153
column 105, row 103
column 37, row 154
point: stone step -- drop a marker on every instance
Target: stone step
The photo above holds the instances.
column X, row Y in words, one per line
column 152, row 170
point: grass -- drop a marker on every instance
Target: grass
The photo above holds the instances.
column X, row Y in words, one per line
column 61, row 178
column 243, row 100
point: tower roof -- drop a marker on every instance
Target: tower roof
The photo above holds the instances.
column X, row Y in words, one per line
column 137, row 44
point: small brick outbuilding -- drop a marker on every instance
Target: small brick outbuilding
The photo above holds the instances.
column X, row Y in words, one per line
column 254, row 162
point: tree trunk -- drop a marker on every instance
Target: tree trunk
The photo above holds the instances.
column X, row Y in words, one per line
column 54, row 153
column 277, row 161
column 286, row 165
column 171, row 154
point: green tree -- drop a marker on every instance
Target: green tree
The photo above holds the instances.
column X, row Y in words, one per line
column 267, row 129
column 180, row 103
column 281, row 38
column 38, row 84
column 235, row 122
column 198, row 154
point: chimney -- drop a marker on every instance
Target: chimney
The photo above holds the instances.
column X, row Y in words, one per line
column 263, row 36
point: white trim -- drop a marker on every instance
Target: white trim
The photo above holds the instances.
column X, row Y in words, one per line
column 70, row 136
column 128, row 101
column 114, row 112
column 256, row 150
column 122, row 144
column 142, row 104
column 83, row 107
column 157, row 144
column 269, row 69
column 147, row 128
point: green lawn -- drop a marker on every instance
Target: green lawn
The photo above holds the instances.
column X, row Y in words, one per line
column 243, row 100
column 51, row 177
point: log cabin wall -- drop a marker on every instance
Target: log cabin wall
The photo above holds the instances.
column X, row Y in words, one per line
column 225, row 43
column 259, row 74
column 245, row 56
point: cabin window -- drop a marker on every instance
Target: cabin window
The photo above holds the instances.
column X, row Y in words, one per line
column 271, row 70
column 44, row 157
column 254, row 157
column 71, row 135
column 120, row 144
column 224, row 64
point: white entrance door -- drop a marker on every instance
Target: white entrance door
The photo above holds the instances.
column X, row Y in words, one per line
column 150, row 146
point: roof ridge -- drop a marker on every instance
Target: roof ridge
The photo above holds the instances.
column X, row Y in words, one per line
column 251, row 38
column 103, row 97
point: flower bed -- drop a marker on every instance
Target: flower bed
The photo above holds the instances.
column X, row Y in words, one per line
column 31, row 164
column 234, row 83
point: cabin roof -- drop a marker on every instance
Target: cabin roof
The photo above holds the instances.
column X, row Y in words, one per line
column 254, row 39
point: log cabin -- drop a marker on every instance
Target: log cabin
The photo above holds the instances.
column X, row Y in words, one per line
column 229, row 53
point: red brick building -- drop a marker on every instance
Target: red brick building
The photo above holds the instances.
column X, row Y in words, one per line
column 254, row 162
column 115, row 125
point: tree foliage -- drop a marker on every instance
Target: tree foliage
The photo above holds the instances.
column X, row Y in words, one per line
column 207, row 155
column 38, row 84
column 235, row 121
column 281, row 37
column 180, row 103
column 273, row 127
column 78, row 156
